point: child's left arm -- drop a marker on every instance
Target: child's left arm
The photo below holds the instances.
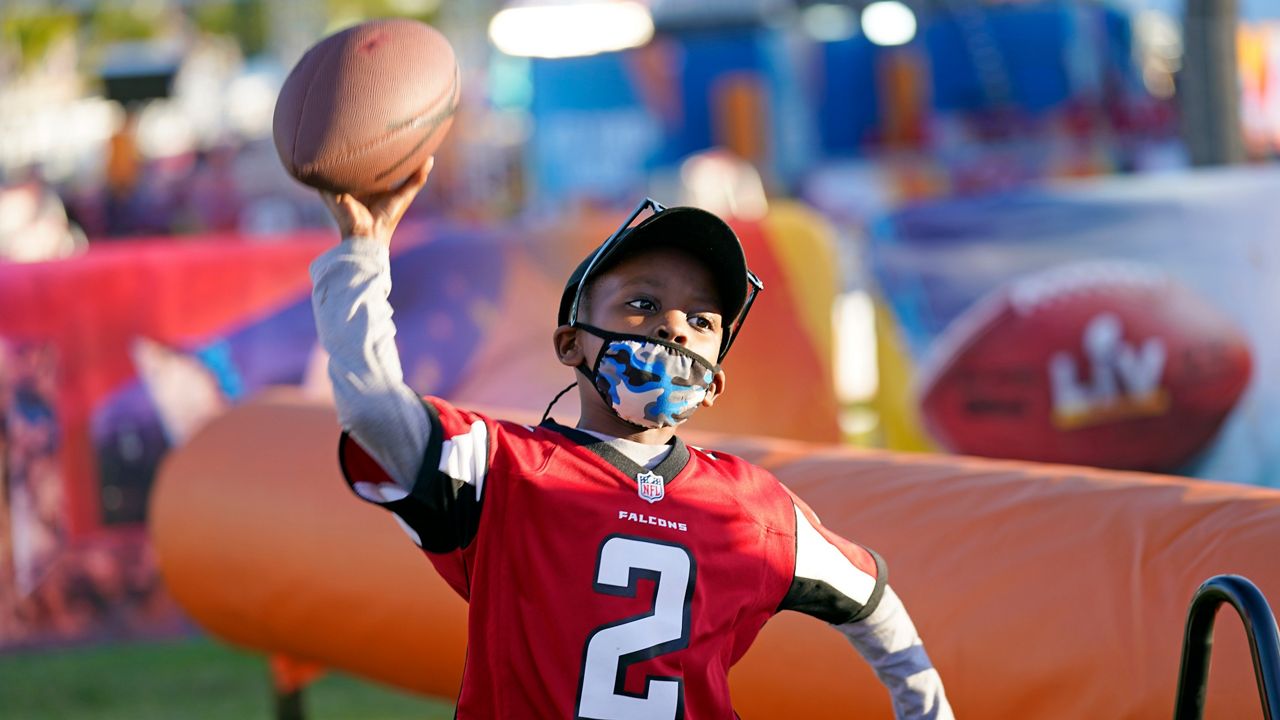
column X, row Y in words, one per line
column 846, row 585
column 888, row 641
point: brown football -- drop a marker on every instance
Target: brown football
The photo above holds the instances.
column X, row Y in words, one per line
column 367, row 106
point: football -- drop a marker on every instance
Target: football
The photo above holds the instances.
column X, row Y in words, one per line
column 1106, row 364
column 366, row 106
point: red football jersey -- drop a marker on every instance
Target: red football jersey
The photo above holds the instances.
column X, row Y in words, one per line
column 602, row 590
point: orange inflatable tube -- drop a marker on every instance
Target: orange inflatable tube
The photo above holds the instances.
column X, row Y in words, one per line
column 1041, row 592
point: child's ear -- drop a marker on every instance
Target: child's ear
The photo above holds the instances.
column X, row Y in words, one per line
column 716, row 389
column 568, row 346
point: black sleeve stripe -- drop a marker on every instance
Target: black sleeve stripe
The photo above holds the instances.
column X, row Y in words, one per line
column 882, row 579
column 431, row 457
column 819, row 599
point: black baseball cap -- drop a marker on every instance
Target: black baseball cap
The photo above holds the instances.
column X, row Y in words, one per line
column 693, row 230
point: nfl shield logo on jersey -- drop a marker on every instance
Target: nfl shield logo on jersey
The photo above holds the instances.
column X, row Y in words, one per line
column 650, row 486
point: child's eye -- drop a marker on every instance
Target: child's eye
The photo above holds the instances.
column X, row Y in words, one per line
column 644, row 304
column 702, row 323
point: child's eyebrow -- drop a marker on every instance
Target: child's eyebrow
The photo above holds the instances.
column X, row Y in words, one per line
column 655, row 282
column 701, row 296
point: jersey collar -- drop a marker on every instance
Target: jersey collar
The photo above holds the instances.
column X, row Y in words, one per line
column 670, row 466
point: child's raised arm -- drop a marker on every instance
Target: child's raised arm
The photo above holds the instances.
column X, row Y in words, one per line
column 350, row 286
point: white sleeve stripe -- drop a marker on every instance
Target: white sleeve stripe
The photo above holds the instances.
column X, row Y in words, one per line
column 380, row 493
column 465, row 457
column 817, row 559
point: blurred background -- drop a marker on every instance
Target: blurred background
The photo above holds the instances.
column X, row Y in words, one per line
column 897, row 169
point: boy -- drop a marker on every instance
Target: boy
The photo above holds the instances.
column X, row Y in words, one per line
column 612, row 571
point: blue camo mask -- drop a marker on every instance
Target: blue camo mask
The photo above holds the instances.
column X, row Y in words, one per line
column 647, row 382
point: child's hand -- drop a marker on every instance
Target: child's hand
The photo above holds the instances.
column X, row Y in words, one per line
column 375, row 216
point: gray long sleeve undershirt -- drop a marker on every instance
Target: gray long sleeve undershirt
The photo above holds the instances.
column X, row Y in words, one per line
column 888, row 641
column 350, row 286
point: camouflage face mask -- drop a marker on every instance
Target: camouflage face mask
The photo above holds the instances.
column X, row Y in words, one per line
column 648, row 382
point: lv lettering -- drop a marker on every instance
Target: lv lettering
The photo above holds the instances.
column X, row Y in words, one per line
column 1118, row 380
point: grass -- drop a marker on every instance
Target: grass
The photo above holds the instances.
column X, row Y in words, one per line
column 188, row 680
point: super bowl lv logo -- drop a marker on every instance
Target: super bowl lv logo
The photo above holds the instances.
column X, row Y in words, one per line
column 650, row 486
column 1118, row 380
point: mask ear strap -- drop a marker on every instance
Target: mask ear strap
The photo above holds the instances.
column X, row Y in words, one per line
column 555, row 399
column 582, row 367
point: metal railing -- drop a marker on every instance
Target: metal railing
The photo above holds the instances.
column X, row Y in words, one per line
column 1197, row 644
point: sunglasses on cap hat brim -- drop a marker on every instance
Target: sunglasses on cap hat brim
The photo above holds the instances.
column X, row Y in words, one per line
column 617, row 240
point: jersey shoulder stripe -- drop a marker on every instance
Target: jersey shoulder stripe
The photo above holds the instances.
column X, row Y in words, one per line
column 835, row 580
column 441, row 511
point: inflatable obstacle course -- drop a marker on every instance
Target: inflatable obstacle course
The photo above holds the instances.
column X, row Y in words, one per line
column 1041, row 591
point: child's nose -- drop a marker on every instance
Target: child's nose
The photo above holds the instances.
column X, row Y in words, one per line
column 669, row 329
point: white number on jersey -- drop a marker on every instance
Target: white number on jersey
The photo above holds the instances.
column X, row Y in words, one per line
column 612, row 648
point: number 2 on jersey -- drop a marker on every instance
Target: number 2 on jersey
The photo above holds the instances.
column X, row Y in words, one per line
column 612, row 648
